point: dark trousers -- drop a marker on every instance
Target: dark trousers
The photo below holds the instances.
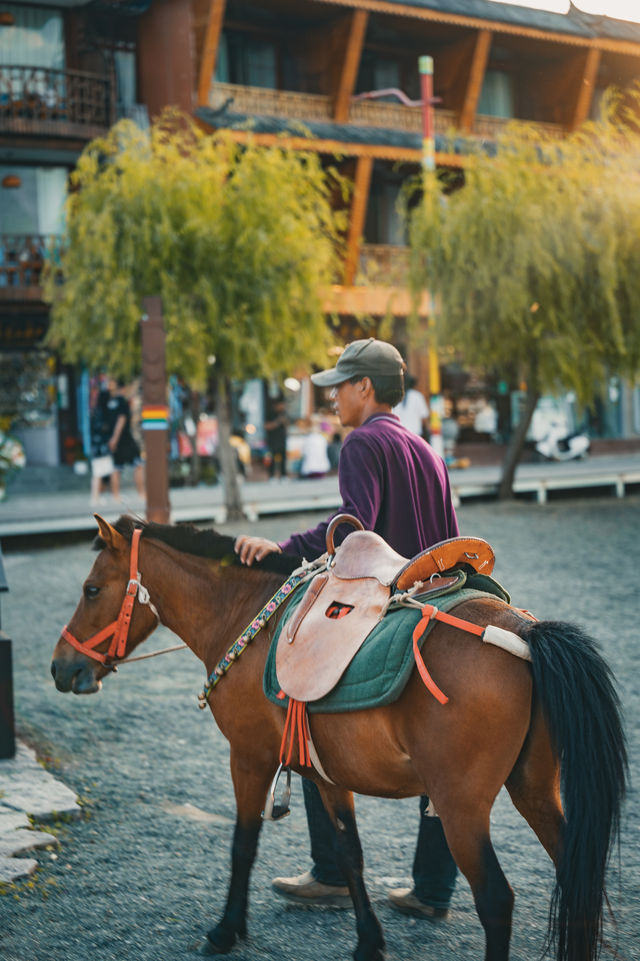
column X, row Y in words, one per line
column 434, row 870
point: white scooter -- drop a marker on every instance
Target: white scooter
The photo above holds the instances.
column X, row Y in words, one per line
column 559, row 446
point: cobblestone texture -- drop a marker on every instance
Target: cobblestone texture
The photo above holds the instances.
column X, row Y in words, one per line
column 143, row 875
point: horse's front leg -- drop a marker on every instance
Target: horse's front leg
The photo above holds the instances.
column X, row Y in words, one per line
column 339, row 804
column 251, row 790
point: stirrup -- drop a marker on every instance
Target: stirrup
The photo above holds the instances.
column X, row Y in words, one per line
column 276, row 810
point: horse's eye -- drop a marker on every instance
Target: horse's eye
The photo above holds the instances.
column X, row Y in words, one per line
column 91, row 591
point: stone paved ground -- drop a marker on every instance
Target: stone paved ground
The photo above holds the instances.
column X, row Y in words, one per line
column 143, row 874
column 28, row 792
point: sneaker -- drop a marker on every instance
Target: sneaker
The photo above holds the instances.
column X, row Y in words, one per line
column 405, row 900
column 304, row 889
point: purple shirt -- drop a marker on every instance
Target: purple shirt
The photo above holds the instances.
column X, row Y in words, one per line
column 395, row 483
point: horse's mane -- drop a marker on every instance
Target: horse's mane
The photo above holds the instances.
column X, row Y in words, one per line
column 194, row 540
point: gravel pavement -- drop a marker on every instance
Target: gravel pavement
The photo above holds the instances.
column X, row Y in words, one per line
column 143, row 874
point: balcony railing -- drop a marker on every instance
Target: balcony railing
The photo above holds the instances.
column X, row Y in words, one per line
column 317, row 107
column 39, row 100
column 383, row 264
column 22, row 260
column 271, row 103
column 308, row 107
column 489, row 128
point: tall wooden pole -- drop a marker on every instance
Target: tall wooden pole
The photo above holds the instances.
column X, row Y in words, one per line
column 155, row 412
column 425, row 67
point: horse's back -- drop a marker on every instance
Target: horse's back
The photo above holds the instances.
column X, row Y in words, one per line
column 416, row 740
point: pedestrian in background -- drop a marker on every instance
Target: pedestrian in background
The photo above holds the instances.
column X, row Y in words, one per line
column 101, row 458
column 122, row 444
column 275, row 426
column 413, row 409
column 315, row 457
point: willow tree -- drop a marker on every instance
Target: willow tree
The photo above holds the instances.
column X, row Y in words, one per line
column 239, row 242
column 534, row 263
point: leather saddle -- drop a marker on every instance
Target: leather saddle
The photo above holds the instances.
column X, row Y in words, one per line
column 346, row 600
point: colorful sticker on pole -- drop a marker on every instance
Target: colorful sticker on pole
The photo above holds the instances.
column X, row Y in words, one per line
column 155, row 417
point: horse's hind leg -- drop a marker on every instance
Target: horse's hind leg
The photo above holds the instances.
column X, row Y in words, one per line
column 467, row 832
column 534, row 787
column 339, row 804
column 251, row 790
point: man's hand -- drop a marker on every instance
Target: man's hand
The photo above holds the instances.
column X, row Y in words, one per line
column 251, row 549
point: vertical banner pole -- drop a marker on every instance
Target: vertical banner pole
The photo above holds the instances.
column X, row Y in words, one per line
column 155, row 412
column 425, row 67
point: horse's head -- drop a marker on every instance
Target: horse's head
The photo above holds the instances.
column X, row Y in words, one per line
column 113, row 616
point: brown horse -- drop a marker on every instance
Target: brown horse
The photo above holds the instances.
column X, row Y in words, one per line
column 544, row 729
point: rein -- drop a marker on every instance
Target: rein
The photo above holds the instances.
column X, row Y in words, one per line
column 118, row 630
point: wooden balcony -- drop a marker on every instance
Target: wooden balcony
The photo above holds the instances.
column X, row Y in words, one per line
column 383, row 264
column 60, row 103
column 260, row 101
column 22, row 260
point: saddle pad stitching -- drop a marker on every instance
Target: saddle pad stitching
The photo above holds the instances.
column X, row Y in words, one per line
column 395, row 686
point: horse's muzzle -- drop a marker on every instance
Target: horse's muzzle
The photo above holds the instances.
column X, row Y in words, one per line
column 73, row 676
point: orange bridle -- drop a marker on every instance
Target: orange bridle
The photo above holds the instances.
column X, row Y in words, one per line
column 120, row 627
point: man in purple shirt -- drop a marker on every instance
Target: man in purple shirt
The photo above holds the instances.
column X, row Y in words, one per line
column 397, row 486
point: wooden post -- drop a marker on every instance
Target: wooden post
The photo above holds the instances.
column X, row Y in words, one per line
column 362, row 184
column 209, row 51
column 586, row 87
column 477, row 73
column 155, row 412
column 7, row 725
column 349, row 67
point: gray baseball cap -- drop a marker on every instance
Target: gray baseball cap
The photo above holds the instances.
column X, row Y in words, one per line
column 362, row 358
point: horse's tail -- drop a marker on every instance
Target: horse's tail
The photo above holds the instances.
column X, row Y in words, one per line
column 574, row 687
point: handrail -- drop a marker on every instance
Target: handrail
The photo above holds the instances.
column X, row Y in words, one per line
column 309, row 107
column 62, row 96
column 385, row 263
column 23, row 256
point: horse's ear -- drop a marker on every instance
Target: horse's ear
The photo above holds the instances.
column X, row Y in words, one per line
column 112, row 538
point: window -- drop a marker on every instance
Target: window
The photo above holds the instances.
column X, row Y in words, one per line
column 37, row 205
column 125, row 67
column 384, row 223
column 248, row 60
column 36, row 38
column 378, row 73
column 222, row 61
column 496, row 99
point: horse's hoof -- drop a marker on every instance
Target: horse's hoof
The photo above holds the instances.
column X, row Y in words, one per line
column 209, row 948
column 369, row 954
column 217, row 942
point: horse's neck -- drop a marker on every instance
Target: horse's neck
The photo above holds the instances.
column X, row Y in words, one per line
column 205, row 604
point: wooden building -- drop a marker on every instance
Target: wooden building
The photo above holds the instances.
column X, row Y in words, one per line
column 67, row 73
column 276, row 66
column 271, row 69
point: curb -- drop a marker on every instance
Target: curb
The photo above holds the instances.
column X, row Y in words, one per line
column 28, row 790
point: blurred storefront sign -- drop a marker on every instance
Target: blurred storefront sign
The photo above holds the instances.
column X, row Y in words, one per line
column 22, row 331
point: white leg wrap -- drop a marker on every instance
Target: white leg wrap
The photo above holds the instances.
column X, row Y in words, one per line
column 507, row 640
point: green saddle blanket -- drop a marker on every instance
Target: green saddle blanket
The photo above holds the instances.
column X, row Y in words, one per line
column 382, row 666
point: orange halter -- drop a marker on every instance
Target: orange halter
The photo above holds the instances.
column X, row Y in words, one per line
column 120, row 627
